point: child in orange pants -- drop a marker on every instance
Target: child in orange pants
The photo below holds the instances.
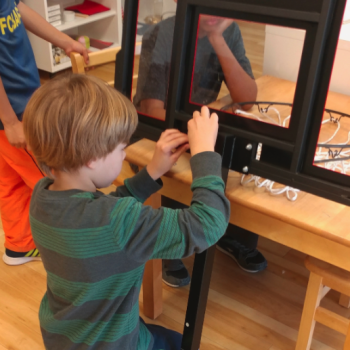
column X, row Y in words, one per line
column 18, row 176
column 19, row 78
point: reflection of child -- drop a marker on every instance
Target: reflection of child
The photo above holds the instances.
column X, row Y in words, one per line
column 94, row 246
column 19, row 78
column 220, row 55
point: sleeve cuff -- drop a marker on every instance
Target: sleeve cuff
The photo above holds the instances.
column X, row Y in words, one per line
column 206, row 163
column 142, row 185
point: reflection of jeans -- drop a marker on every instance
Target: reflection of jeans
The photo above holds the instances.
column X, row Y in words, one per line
column 247, row 238
column 164, row 339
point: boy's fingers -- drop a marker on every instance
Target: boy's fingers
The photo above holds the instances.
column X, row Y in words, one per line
column 169, row 134
column 214, row 117
column 170, row 131
column 196, row 114
column 173, row 136
column 176, row 142
column 205, row 112
column 85, row 55
column 176, row 155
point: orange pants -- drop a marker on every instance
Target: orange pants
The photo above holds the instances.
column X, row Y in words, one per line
column 18, row 176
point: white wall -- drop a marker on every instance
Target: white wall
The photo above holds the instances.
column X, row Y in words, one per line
column 283, row 48
column 347, row 11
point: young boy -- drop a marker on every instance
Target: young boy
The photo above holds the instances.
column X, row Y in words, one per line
column 94, row 246
column 19, row 78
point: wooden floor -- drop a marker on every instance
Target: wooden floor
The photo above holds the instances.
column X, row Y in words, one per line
column 245, row 311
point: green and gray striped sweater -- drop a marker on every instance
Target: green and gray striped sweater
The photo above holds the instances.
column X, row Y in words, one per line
column 94, row 248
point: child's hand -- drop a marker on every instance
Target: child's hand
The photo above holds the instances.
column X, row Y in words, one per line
column 220, row 27
column 15, row 134
column 170, row 146
column 74, row 46
column 202, row 131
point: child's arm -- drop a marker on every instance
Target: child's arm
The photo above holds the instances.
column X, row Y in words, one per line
column 242, row 87
column 170, row 146
column 146, row 233
column 13, row 127
column 43, row 29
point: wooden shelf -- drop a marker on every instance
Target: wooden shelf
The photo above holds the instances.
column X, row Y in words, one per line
column 105, row 26
column 80, row 21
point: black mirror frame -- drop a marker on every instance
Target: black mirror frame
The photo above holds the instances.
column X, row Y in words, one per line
column 288, row 154
column 148, row 127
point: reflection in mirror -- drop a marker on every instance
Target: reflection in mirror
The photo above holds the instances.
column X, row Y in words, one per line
column 246, row 68
column 333, row 148
column 152, row 57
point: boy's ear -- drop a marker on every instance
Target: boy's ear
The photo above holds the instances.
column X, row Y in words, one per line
column 92, row 164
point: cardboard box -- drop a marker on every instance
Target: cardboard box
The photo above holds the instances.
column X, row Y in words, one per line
column 54, row 13
column 53, row 8
column 54, row 18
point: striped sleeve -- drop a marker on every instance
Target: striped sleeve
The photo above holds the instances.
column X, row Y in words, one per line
column 169, row 234
column 140, row 186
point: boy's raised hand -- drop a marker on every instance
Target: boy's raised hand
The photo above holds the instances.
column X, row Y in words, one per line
column 203, row 131
column 171, row 144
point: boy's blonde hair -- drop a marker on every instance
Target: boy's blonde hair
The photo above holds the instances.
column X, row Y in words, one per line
column 74, row 119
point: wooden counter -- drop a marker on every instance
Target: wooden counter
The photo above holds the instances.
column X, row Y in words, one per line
column 312, row 225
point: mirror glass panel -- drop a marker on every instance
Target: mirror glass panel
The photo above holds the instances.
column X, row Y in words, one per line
column 246, row 68
column 333, row 145
column 154, row 40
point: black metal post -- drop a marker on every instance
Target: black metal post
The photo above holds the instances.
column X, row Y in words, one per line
column 203, row 265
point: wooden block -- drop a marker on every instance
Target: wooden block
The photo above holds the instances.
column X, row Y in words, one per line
column 152, row 289
column 312, row 301
column 332, row 320
column 152, row 279
column 344, row 300
column 347, row 341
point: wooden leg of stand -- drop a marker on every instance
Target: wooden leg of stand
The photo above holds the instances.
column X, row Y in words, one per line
column 313, row 298
column 347, row 340
column 152, row 279
column 152, row 289
column 344, row 300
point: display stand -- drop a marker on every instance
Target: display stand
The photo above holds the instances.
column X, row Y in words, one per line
column 287, row 153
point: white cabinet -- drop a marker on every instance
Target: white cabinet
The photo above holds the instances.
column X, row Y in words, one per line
column 105, row 26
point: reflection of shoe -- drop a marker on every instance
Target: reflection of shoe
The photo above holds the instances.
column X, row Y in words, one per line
column 175, row 274
column 250, row 260
column 13, row 258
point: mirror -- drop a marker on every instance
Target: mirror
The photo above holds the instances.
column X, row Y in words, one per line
column 333, row 145
column 153, row 48
column 246, row 68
